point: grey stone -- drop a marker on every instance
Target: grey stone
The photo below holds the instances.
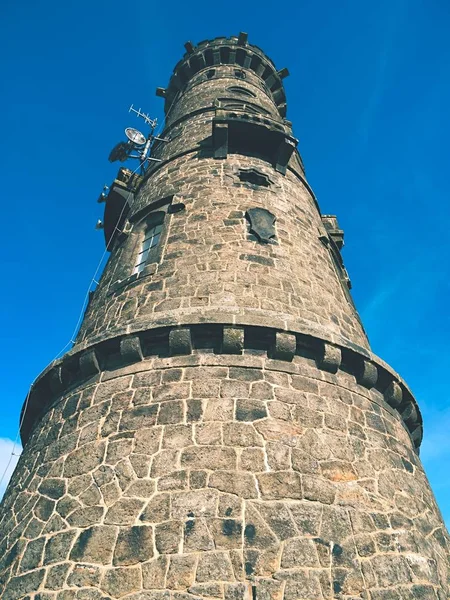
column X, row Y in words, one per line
column 214, row 566
column 95, row 545
column 58, row 546
column 134, row 545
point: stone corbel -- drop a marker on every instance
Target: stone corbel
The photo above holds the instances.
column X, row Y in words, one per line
column 130, row 349
column 393, row 394
column 331, row 357
column 233, row 340
column 180, row 341
column 284, row 346
column 366, row 374
column 220, row 139
column 409, row 416
column 284, row 153
column 89, row 365
column 57, row 379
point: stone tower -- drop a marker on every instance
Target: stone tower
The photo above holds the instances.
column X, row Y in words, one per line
column 221, row 428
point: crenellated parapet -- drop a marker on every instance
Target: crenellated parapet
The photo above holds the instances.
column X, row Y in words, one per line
column 234, row 51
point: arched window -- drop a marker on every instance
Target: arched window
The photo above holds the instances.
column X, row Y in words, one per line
column 149, row 248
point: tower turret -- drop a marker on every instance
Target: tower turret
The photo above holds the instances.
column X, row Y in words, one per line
column 221, row 428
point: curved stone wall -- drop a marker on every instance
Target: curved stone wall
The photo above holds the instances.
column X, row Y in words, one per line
column 210, row 475
column 210, row 265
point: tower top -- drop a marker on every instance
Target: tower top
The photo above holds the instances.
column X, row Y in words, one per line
column 226, row 51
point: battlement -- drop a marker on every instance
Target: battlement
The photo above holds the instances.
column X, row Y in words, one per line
column 226, row 51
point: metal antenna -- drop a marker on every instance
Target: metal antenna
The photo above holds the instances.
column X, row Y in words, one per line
column 145, row 116
column 138, row 142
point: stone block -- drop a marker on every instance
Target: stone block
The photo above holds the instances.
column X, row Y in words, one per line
column 168, row 537
column 95, row 545
column 130, row 349
column 279, row 519
column 242, row 484
column 171, row 412
column 393, row 394
column 299, row 553
column 56, row 576
column 140, row 417
column 89, row 363
column 85, row 459
column 253, row 459
column 32, row 557
column 134, row 545
column 122, row 581
column 209, row 457
column 198, row 503
column 330, row 358
column 181, row 572
column 250, row 410
column 214, row 590
column 256, row 532
column 177, row 436
column 279, row 485
column 154, row 573
column 214, row 566
column 21, row 585
column 177, row 480
column 233, row 340
column 366, row 373
column 157, row 509
column 197, row 536
column 284, row 346
column 84, row 575
column 53, row 488
column 58, row 546
column 86, row 516
column 236, row 591
column 241, row 435
column 180, row 341
column 124, row 512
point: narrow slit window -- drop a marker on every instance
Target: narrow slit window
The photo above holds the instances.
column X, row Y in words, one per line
column 150, row 241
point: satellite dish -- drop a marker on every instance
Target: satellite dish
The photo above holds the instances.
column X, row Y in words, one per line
column 135, row 136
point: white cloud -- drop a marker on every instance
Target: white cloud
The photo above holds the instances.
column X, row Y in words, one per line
column 7, row 461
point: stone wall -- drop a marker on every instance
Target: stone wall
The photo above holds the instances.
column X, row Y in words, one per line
column 221, row 428
column 204, row 476
column 212, row 269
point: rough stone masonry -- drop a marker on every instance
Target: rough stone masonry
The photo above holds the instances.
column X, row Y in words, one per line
column 221, row 428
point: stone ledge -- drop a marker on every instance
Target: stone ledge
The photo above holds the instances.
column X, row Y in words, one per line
column 281, row 346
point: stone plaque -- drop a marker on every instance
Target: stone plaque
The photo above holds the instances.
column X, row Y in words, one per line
column 262, row 224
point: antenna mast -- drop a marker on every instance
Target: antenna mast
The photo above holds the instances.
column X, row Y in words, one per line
column 137, row 142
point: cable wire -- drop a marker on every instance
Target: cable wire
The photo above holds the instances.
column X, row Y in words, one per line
column 72, row 337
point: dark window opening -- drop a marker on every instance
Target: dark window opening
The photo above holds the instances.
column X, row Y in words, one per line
column 210, row 74
column 183, row 73
column 209, row 58
column 254, row 177
column 255, row 62
column 267, row 73
column 224, row 55
column 252, row 140
column 195, row 64
column 240, row 56
column 239, row 74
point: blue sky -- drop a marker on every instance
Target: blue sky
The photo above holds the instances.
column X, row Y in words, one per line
column 368, row 94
